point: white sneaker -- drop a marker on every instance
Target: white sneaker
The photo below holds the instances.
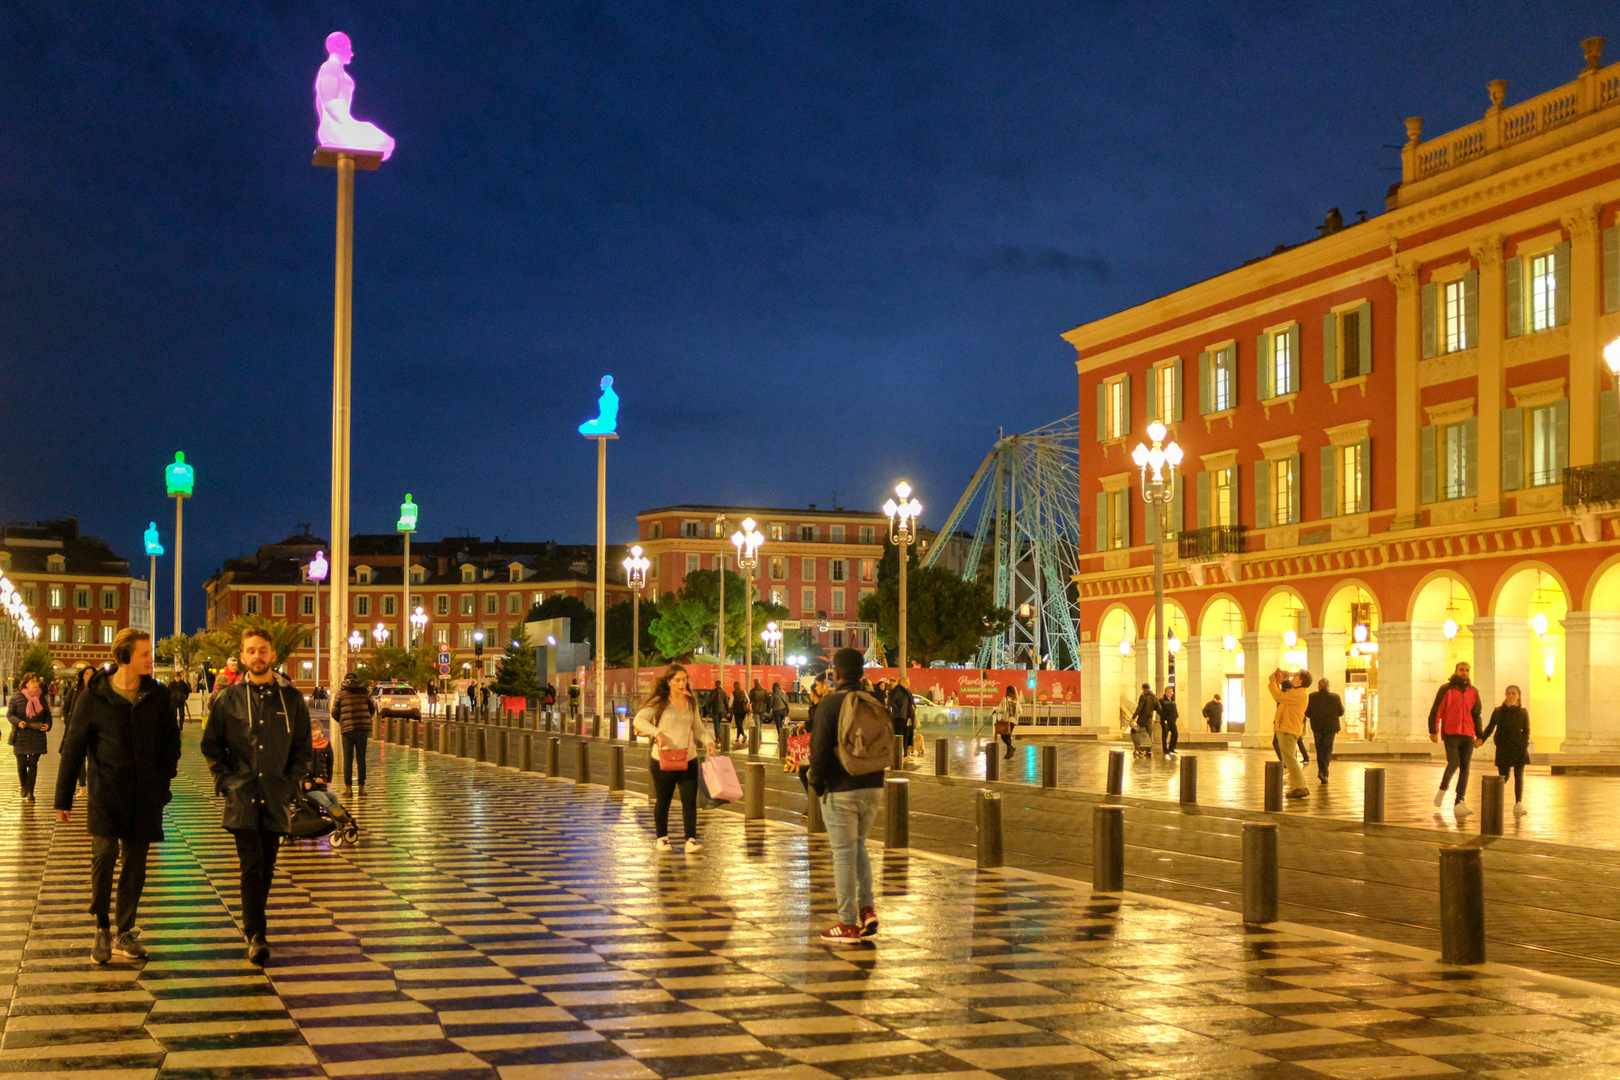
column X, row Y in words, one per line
column 663, row 843
column 1519, row 810
column 1440, row 797
column 693, row 846
column 1462, row 810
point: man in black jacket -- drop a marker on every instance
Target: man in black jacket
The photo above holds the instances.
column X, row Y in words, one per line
column 849, row 808
column 903, row 709
column 1146, row 706
column 1323, row 711
column 258, row 747
column 123, row 723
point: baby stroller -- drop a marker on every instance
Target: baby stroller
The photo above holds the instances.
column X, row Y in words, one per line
column 317, row 812
column 1141, row 741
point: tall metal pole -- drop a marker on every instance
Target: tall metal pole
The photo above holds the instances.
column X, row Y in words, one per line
column 342, row 332
column 635, row 647
column 405, row 601
column 151, row 591
column 179, row 539
column 601, row 571
column 317, row 631
column 904, row 546
column 748, row 635
column 720, row 635
column 1158, row 586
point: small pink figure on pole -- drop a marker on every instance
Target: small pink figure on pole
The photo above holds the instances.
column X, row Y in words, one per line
column 334, row 98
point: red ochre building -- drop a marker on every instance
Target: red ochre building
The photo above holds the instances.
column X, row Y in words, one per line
column 1403, row 429
column 79, row 591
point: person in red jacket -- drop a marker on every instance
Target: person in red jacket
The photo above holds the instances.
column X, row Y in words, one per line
column 1454, row 717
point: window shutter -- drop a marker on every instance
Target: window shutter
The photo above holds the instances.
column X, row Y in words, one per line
column 1293, row 359
column 1102, row 412
column 1178, row 519
column 1561, row 446
column 1513, row 270
column 1294, row 500
column 1471, row 308
column 1262, row 493
column 1471, row 456
column 1206, row 385
column 1609, row 425
column 1204, row 516
column 1330, row 348
column 1228, row 359
column 1364, row 338
column 1512, row 449
column 1233, row 511
column 1180, row 386
column 1431, row 326
column 1561, row 272
column 1263, row 367
column 1428, row 447
column 1122, row 507
column 1125, row 421
column 1364, row 488
column 1611, row 268
column 1330, row 481
column 1153, row 391
column 1102, row 521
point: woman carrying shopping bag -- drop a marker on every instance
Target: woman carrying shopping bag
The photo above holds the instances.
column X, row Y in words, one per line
column 674, row 732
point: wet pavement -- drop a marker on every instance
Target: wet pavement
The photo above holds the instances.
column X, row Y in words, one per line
column 492, row 922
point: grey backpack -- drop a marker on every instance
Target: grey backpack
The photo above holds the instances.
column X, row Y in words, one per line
column 865, row 734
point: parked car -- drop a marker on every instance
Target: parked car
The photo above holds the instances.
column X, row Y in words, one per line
column 399, row 699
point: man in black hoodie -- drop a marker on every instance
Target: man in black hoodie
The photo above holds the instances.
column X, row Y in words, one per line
column 849, row 807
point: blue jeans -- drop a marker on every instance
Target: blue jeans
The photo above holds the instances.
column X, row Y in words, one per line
column 849, row 816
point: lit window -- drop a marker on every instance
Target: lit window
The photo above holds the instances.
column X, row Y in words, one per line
column 1225, row 378
column 1220, row 498
column 1351, row 481
column 779, row 597
column 1454, row 316
column 468, row 605
column 868, row 569
column 107, row 632
column 278, row 604
column 773, row 532
column 838, row 601
column 56, row 593
column 1543, row 292
column 441, row 635
column 1282, row 491
column 56, row 633
column 778, row 568
column 1455, row 479
column 1119, row 519
column 81, row 633
column 466, row 637
column 1544, row 448
column 1118, row 409
column 1164, row 379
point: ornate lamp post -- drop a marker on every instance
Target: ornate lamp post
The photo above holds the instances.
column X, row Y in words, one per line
column 772, row 637
column 478, row 657
column 379, row 634
column 747, row 541
column 318, row 569
column 903, row 520
column 1158, row 466
column 419, row 621
column 178, row 478
column 406, row 526
column 357, row 641
column 635, row 575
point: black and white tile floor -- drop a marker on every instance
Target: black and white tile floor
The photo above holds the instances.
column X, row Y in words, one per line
column 491, row 922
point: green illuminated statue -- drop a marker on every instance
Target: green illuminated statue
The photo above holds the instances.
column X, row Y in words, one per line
column 407, row 516
column 179, row 476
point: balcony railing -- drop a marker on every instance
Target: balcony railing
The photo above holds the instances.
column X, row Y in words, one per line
column 1196, row 545
column 1591, row 485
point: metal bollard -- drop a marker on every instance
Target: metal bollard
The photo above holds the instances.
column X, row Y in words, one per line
column 754, row 792
column 1259, row 872
column 1274, row 786
column 812, row 818
column 725, row 738
column 526, row 761
column 1049, row 766
column 899, row 754
column 461, row 740
column 989, row 816
column 1116, row 772
column 753, row 741
column 616, row 768
column 1372, row 797
column 992, row 762
column 596, row 726
column 1492, row 790
column 582, row 762
column 554, row 755
column 500, row 747
column 1108, row 849
column 1462, row 906
column 483, row 743
column 444, row 738
column 896, row 813
column 1189, row 781
column 781, row 740
column 942, row 757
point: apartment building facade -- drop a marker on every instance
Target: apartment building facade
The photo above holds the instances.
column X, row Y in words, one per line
column 1401, row 439
column 78, row 589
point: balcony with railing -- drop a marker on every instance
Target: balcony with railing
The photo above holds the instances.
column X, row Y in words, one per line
column 1587, row 487
column 1209, row 545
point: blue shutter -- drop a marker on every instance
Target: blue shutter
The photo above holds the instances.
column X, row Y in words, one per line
column 1206, row 384
column 1611, row 268
column 1262, row 493
column 1431, row 324
column 1102, row 521
column 1330, row 348
column 1181, row 386
column 1203, row 499
column 1293, row 359
column 1512, row 449
column 1561, row 445
column 1513, row 271
column 1364, row 338
column 1330, row 481
column 1364, row 489
column 1471, row 308
column 1471, row 456
column 1428, row 453
column 1609, row 425
column 1561, row 273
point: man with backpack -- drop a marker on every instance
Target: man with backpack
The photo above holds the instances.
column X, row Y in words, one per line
column 851, row 743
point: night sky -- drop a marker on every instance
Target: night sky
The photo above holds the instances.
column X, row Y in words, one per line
column 820, row 246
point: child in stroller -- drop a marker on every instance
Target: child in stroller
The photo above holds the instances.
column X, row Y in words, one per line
column 318, row 811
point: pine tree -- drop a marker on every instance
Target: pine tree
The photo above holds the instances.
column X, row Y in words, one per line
column 516, row 676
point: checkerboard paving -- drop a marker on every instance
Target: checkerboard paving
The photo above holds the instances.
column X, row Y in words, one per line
column 491, row 922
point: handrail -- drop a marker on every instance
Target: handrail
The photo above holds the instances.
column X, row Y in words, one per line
column 1591, row 485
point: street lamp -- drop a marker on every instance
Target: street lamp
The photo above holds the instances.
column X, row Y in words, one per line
column 478, row 655
column 406, row 526
column 318, row 569
column 1158, row 467
column 635, row 575
column 747, row 541
column 379, row 634
column 772, row 638
column 904, row 516
column 419, row 621
column 178, row 478
column 357, row 640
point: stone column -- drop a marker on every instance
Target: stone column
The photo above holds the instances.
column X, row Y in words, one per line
column 1115, row 673
column 1585, row 350
column 1408, row 351
column 1324, row 655
column 1592, row 672
column 1501, row 656
column 1411, row 667
column 1204, row 661
column 1257, row 704
column 1492, row 330
column 1091, row 685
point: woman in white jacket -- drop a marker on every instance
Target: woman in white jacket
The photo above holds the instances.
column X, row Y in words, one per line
column 674, row 731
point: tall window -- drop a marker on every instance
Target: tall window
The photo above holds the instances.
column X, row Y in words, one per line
column 838, row 534
column 1351, row 464
column 467, row 605
column 774, row 531
column 362, row 604
column 1167, row 389
column 1282, row 365
column 81, row 633
column 835, row 569
column 1114, row 527
column 1543, row 292
column 514, row 603
column 1454, row 316
column 251, row 604
column 838, row 639
column 389, row 604
column 441, row 605
column 657, row 530
column 306, row 604
column 867, row 534
column 691, row 529
column 57, row 632
column 1544, row 446
column 441, row 635
column 492, row 604
column 278, row 605
column 807, row 534
column 838, row 601
column 1282, row 491
column 107, row 632
column 109, row 599
column 81, row 598
column 807, row 569
column 778, row 568
column 779, row 597
column 1119, row 405
column 692, row 563
column 868, row 569
column 1220, row 498
column 807, row 601
column 1454, row 477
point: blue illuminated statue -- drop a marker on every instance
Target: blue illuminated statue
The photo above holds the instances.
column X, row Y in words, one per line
column 607, row 419
column 153, row 547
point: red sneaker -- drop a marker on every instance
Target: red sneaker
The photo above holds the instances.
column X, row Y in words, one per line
column 841, row 935
column 869, row 922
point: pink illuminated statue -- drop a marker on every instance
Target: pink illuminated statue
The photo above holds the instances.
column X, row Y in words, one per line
column 334, row 95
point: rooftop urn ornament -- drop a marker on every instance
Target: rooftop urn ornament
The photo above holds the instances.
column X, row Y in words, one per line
column 179, row 476
column 153, row 546
column 407, row 516
column 606, row 421
column 334, row 100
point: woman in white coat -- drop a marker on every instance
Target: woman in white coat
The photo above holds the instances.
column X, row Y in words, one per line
column 674, row 731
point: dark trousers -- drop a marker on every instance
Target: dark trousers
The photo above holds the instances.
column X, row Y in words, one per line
column 1006, row 737
column 1518, row 779
column 27, row 772
column 256, row 852
column 1459, row 753
column 104, row 852
column 664, row 785
column 1324, row 752
column 1171, row 736
column 354, row 756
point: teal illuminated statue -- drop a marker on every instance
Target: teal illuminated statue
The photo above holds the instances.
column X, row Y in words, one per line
column 153, row 547
column 179, row 476
column 607, row 419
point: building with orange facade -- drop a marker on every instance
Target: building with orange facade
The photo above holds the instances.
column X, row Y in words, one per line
column 1402, row 446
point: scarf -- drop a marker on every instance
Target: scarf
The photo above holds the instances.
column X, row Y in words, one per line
column 33, row 702
column 318, row 740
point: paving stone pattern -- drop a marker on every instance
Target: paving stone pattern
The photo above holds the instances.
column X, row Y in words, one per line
column 492, row 922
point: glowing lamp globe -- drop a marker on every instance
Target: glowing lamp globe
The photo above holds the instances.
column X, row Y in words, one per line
column 407, row 516
column 1124, row 647
column 1229, row 642
column 1539, row 624
column 1611, row 355
column 1361, row 632
column 1174, row 645
column 1450, row 629
column 1290, row 638
column 1156, row 431
column 153, row 547
column 178, row 476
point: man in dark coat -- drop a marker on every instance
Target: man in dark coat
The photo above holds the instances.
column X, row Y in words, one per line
column 352, row 713
column 179, row 691
column 123, row 722
column 903, row 710
column 1323, row 711
column 1213, row 713
column 258, row 747
column 1147, row 706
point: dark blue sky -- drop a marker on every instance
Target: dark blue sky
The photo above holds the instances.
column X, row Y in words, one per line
column 820, row 246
